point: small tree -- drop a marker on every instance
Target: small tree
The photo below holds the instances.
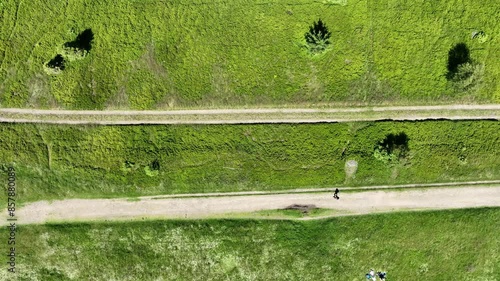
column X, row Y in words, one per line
column 318, row 37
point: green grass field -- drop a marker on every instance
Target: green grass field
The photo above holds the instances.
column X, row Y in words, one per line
column 62, row 161
column 438, row 246
column 163, row 54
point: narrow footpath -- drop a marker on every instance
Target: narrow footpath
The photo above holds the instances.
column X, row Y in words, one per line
column 350, row 203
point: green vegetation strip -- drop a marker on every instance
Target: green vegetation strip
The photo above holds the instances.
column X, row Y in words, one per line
column 246, row 116
column 437, row 245
column 155, row 54
column 64, row 161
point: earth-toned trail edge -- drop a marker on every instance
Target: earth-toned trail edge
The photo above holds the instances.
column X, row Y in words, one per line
column 350, row 203
column 249, row 116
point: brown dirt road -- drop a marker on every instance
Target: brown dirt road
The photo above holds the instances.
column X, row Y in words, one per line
column 249, row 116
column 350, row 203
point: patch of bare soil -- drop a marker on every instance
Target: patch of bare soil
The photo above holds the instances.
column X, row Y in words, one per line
column 303, row 208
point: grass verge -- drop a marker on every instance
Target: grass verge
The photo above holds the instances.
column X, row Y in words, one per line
column 63, row 161
column 436, row 245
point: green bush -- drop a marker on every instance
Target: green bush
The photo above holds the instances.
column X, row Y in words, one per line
column 468, row 77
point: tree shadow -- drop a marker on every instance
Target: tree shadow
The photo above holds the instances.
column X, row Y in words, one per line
column 393, row 143
column 83, row 41
column 318, row 31
column 57, row 62
column 457, row 56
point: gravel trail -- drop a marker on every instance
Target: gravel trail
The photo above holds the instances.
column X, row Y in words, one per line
column 350, row 203
column 249, row 116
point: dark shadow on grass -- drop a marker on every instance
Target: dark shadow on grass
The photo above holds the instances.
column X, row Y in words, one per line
column 457, row 56
column 393, row 143
column 57, row 62
column 82, row 42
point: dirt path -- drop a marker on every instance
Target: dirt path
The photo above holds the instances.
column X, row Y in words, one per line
column 200, row 207
column 246, row 116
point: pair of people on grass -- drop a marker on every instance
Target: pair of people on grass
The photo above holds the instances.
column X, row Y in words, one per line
column 373, row 276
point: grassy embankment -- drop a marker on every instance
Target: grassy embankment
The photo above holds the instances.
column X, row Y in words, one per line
column 158, row 54
column 438, row 245
column 55, row 161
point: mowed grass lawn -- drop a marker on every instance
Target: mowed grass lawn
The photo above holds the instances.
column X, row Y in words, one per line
column 63, row 161
column 153, row 54
column 438, row 246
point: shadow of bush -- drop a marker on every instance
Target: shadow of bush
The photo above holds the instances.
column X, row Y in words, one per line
column 83, row 41
column 457, row 56
column 57, row 62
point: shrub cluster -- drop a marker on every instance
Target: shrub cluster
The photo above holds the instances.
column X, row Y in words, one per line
column 463, row 71
column 394, row 147
column 73, row 50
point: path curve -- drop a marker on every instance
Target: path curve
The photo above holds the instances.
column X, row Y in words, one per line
column 349, row 204
column 248, row 116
